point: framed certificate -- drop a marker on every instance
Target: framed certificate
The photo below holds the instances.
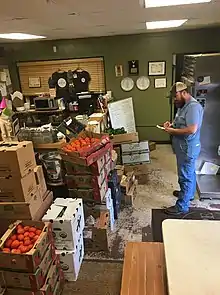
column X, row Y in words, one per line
column 156, row 68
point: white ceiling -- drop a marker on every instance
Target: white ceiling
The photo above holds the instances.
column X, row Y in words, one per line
column 96, row 17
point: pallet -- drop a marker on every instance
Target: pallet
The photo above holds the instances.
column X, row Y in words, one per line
column 144, row 269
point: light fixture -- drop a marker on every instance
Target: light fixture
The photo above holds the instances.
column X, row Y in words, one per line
column 160, row 3
column 165, row 24
column 20, row 36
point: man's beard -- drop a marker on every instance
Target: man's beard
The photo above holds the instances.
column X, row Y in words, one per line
column 179, row 104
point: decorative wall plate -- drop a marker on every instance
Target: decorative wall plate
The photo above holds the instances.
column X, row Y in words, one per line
column 127, row 84
column 143, row 83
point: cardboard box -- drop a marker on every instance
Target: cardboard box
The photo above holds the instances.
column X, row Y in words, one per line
column 85, row 181
column 122, row 138
column 120, row 171
column 108, row 156
column 53, row 286
column 131, row 195
column 16, row 158
column 94, row 126
column 90, row 194
column 136, row 158
column 71, row 261
column 51, row 277
column 27, row 262
column 21, row 210
column 96, row 237
column 152, row 146
column 67, row 220
column 142, row 146
column 141, row 172
column 47, row 202
column 87, row 160
column 32, row 281
column 16, row 189
column 108, row 167
column 127, row 182
column 117, row 149
column 40, row 180
column 95, row 168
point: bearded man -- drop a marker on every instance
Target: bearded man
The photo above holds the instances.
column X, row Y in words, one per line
column 185, row 131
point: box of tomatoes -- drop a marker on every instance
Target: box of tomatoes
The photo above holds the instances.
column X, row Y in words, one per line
column 24, row 244
column 87, row 148
column 32, row 281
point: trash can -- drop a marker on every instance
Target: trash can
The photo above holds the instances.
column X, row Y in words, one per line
column 52, row 163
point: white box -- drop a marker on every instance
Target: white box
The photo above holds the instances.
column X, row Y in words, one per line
column 108, row 199
column 71, row 261
column 135, row 147
column 135, row 158
column 67, row 220
column 111, row 215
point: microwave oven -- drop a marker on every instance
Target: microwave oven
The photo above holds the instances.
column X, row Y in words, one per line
column 45, row 103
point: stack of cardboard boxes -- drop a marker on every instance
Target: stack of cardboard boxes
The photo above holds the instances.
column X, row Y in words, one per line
column 36, row 272
column 89, row 182
column 23, row 193
column 67, row 218
column 135, row 153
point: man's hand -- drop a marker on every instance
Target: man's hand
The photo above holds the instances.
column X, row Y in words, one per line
column 170, row 130
column 167, row 125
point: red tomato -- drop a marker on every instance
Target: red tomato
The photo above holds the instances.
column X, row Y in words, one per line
column 32, row 229
column 20, row 231
column 31, row 235
column 26, row 234
column 29, row 247
column 8, row 243
column 23, row 249
column 38, row 232
column 20, row 237
column 26, row 228
column 35, row 238
column 27, row 242
column 15, row 244
column 6, row 250
column 13, row 237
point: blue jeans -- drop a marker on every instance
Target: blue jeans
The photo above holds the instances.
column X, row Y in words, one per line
column 186, row 160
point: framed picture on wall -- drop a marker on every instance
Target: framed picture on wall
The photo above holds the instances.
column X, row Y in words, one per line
column 156, row 68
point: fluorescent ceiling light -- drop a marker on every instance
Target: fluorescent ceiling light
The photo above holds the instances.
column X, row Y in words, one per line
column 20, row 36
column 165, row 24
column 160, row 3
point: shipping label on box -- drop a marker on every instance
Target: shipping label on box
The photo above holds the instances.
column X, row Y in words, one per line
column 67, row 220
column 135, row 147
column 71, row 261
column 136, row 158
column 16, row 158
column 16, row 189
column 40, row 180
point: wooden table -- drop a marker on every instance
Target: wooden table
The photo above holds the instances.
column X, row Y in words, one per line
column 144, row 269
column 192, row 256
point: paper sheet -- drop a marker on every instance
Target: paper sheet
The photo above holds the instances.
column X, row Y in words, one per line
column 122, row 114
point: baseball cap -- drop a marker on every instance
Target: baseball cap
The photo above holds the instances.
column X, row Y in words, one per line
column 178, row 86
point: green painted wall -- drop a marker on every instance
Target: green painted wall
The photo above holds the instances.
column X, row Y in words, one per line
column 151, row 107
